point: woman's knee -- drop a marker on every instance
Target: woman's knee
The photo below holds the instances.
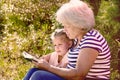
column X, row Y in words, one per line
column 38, row 75
column 29, row 73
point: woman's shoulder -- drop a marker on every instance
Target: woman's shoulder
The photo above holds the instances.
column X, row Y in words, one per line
column 93, row 34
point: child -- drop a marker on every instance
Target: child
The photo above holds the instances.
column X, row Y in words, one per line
column 61, row 45
column 59, row 57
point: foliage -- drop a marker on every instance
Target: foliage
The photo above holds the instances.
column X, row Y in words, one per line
column 26, row 25
column 110, row 29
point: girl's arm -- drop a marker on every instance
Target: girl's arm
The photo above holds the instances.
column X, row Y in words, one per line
column 46, row 57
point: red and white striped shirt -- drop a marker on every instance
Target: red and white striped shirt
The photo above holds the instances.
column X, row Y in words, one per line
column 101, row 67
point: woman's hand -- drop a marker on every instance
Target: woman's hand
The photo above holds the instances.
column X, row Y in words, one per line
column 41, row 64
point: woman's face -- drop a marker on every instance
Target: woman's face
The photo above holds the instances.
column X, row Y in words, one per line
column 71, row 31
column 61, row 46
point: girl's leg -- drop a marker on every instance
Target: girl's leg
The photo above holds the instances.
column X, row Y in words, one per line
column 29, row 73
column 45, row 75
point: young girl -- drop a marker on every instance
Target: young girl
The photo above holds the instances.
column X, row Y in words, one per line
column 59, row 57
column 61, row 45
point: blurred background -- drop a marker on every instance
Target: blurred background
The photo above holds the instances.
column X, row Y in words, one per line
column 26, row 25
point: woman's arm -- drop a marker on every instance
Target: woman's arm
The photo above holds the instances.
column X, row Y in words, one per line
column 85, row 60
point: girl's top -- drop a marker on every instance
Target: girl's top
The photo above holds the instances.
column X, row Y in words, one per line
column 54, row 60
column 101, row 67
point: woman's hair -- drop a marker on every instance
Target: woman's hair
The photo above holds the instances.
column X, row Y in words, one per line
column 76, row 13
column 59, row 33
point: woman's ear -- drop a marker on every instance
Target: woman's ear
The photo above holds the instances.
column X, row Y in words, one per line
column 70, row 43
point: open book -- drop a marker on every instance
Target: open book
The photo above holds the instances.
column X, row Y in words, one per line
column 29, row 57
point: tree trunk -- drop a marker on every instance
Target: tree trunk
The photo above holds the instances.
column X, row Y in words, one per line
column 117, row 18
column 96, row 5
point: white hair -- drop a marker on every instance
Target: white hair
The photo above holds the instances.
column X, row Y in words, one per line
column 76, row 13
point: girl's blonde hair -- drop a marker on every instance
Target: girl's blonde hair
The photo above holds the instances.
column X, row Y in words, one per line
column 58, row 33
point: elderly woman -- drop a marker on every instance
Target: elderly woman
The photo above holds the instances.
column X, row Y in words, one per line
column 89, row 57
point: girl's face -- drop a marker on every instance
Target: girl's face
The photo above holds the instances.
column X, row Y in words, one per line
column 61, row 45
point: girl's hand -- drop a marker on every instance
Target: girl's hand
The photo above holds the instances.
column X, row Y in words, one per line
column 41, row 64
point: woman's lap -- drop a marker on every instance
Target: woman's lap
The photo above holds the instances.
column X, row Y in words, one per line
column 37, row 74
column 44, row 75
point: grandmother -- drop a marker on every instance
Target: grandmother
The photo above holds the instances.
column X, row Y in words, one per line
column 89, row 57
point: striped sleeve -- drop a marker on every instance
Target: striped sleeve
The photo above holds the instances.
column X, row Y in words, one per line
column 94, row 41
